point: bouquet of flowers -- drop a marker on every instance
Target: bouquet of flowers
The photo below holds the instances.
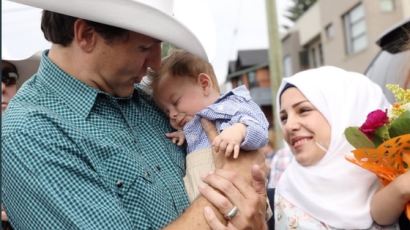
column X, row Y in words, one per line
column 383, row 142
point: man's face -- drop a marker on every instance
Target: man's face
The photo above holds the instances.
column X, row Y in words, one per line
column 8, row 84
column 122, row 63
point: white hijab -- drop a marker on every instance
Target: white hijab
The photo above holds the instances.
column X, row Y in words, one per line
column 334, row 190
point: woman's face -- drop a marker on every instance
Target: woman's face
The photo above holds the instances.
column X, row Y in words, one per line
column 304, row 128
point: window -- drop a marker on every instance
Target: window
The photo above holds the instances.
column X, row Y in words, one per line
column 386, row 5
column 312, row 58
column 314, row 53
column 287, row 66
column 355, row 28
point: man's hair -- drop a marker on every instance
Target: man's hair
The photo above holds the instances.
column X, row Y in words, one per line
column 184, row 64
column 59, row 29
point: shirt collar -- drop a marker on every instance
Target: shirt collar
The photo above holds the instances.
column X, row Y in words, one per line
column 78, row 96
column 240, row 91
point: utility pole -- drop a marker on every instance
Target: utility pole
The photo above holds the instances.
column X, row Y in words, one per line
column 275, row 62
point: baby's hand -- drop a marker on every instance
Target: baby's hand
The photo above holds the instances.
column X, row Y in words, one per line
column 177, row 137
column 229, row 140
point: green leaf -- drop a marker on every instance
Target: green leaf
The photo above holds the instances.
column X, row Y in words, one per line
column 381, row 135
column 400, row 125
column 358, row 139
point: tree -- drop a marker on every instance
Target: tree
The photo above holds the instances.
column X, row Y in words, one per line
column 298, row 8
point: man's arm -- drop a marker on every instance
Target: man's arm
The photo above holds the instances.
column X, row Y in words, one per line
column 251, row 201
column 48, row 184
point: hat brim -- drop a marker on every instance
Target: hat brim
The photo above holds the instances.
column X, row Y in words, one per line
column 26, row 67
column 128, row 14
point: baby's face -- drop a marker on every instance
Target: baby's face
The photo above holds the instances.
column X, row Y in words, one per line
column 180, row 98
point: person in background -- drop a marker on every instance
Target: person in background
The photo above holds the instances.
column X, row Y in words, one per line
column 14, row 72
column 186, row 89
column 13, row 75
column 278, row 164
column 9, row 76
column 85, row 149
column 320, row 189
column 268, row 149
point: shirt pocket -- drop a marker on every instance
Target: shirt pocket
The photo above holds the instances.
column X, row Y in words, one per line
column 123, row 171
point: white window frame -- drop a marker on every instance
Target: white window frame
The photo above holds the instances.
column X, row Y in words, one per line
column 350, row 23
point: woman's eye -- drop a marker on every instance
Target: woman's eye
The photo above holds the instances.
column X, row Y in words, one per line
column 283, row 119
column 305, row 109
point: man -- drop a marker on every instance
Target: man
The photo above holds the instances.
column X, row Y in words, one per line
column 84, row 149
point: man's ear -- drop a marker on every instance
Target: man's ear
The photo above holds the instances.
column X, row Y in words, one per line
column 204, row 80
column 84, row 35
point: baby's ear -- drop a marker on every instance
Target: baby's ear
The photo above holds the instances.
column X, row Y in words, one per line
column 204, row 80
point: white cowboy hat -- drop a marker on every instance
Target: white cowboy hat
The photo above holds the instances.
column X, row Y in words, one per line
column 26, row 67
column 150, row 17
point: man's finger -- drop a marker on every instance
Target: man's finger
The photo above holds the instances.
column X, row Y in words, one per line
column 209, row 129
column 258, row 179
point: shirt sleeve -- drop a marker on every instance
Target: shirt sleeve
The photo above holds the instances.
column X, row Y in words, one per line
column 49, row 184
column 256, row 126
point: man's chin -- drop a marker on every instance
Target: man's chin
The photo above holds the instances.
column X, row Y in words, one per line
column 4, row 106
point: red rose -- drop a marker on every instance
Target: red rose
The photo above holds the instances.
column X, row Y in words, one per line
column 374, row 120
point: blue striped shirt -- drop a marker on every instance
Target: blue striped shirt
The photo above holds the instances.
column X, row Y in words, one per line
column 77, row 158
column 235, row 106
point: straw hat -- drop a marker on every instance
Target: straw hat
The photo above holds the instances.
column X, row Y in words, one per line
column 149, row 17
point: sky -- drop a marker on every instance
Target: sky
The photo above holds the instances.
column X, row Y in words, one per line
column 223, row 26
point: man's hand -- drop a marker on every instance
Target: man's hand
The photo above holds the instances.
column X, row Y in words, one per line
column 229, row 140
column 4, row 215
column 236, row 183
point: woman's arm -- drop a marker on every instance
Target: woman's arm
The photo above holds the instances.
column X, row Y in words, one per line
column 389, row 202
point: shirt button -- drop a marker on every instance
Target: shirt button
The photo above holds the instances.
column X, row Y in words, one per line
column 119, row 183
column 147, row 175
column 158, row 168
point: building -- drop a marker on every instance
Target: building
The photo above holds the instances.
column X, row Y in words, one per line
column 339, row 33
column 252, row 70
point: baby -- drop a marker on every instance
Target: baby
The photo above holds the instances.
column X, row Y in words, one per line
column 186, row 90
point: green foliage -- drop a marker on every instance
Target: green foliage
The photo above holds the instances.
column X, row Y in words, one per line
column 298, row 8
column 358, row 139
column 401, row 125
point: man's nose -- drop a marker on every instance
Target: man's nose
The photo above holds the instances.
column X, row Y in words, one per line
column 154, row 58
column 3, row 88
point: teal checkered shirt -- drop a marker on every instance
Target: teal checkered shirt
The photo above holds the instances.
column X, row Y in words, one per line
column 77, row 158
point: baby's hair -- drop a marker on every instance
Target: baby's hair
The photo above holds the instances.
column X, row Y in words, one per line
column 181, row 63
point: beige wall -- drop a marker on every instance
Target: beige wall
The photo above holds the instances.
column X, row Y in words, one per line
column 309, row 24
column 291, row 47
column 406, row 8
column 334, row 49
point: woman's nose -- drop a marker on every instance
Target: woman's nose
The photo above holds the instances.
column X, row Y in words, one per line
column 292, row 123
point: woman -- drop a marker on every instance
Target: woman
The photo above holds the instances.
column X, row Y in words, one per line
column 320, row 189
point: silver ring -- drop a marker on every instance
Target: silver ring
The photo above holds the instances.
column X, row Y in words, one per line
column 232, row 213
